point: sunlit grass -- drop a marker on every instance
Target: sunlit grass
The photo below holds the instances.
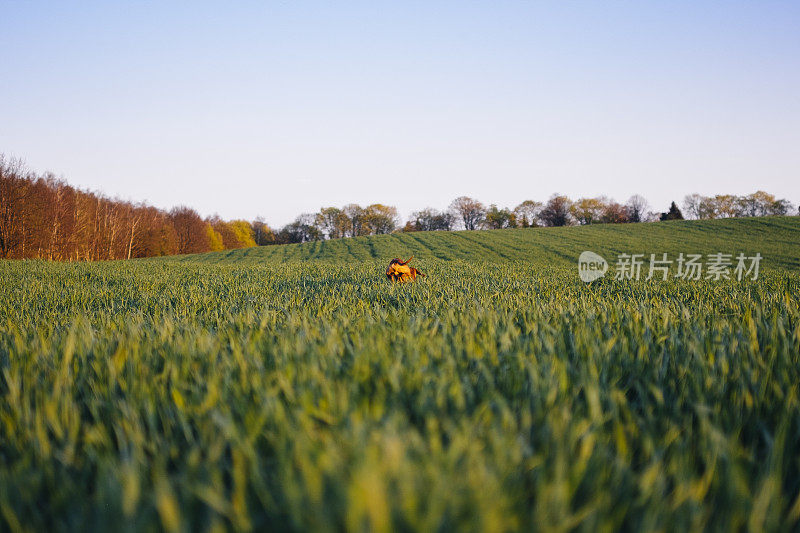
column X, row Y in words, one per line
column 488, row 396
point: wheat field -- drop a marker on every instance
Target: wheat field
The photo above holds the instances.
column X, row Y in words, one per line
column 293, row 388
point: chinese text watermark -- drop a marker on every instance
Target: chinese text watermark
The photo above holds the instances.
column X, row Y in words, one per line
column 717, row 266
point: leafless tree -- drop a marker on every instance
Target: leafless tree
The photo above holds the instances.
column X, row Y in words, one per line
column 528, row 213
column 15, row 187
column 557, row 211
column 637, row 208
column 332, row 222
column 469, row 211
column 691, row 206
column 430, row 219
column 355, row 216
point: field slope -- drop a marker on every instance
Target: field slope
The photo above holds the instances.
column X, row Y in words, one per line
column 294, row 388
column 776, row 238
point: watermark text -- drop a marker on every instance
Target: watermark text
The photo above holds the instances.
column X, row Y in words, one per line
column 663, row 266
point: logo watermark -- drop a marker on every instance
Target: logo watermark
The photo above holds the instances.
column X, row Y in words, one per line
column 718, row 266
column 591, row 266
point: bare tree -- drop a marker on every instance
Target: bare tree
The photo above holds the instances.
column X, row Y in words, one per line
column 14, row 189
column 262, row 233
column 301, row 230
column 556, row 212
column 470, row 211
column 614, row 213
column 355, row 216
column 691, row 205
column 527, row 213
column 781, row 207
column 430, row 219
column 190, row 229
column 637, row 208
column 379, row 219
column 760, row 203
column 725, row 206
column 589, row 210
column 333, row 222
column 134, row 218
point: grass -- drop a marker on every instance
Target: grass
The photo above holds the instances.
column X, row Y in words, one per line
column 277, row 388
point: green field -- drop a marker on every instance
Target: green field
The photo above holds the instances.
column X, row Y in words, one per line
column 776, row 238
column 294, row 388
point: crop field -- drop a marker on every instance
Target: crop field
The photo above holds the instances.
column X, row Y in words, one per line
column 294, row 388
column 775, row 238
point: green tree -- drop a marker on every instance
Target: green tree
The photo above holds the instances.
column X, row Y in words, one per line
column 672, row 214
column 499, row 218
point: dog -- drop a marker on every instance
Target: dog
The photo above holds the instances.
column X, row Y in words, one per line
column 400, row 270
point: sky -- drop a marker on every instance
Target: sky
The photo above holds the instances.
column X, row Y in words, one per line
column 272, row 109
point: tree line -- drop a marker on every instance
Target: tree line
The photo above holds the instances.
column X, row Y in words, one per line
column 42, row 217
column 559, row 210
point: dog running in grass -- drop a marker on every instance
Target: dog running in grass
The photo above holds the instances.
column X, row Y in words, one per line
column 400, row 271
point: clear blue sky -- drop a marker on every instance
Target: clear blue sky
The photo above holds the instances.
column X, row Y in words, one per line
column 280, row 108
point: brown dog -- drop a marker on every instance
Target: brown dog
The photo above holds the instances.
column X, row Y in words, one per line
column 400, row 271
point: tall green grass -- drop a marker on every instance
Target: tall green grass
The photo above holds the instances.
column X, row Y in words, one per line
column 490, row 396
